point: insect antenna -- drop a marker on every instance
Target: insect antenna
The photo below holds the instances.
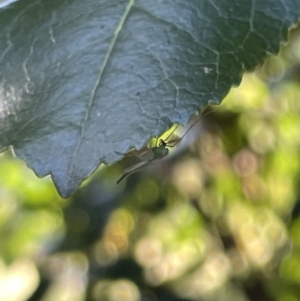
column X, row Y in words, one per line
column 160, row 142
column 174, row 143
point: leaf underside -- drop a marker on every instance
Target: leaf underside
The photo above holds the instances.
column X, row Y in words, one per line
column 82, row 80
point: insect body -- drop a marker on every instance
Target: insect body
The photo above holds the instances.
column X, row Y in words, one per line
column 154, row 153
column 150, row 154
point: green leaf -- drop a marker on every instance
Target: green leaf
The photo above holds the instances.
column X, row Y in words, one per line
column 80, row 80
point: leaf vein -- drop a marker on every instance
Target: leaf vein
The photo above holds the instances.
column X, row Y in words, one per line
column 97, row 83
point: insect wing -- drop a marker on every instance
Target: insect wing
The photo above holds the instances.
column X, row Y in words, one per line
column 130, row 170
column 143, row 154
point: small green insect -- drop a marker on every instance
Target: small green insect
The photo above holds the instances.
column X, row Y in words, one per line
column 148, row 154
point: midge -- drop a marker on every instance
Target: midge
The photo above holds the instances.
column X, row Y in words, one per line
column 148, row 154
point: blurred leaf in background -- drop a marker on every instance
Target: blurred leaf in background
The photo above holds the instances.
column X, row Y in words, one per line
column 218, row 219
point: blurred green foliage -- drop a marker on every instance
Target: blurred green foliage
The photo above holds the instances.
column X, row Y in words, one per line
column 218, row 219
